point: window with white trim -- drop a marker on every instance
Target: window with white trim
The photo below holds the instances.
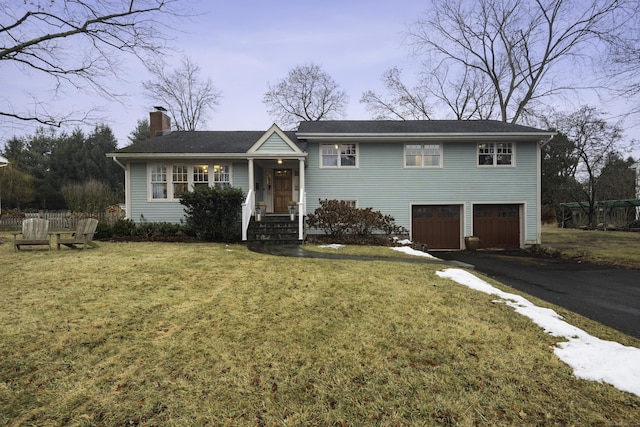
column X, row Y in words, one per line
column 180, row 180
column 496, row 154
column 338, row 156
column 169, row 181
column 221, row 176
column 423, row 155
column 200, row 176
column 159, row 182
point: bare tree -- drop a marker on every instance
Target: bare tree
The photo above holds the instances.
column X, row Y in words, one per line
column 76, row 44
column 306, row 94
column 623, row 62
column 519, row 47
column 594, row 141
column 467, row 97
column 187, row 97
column 403, row 103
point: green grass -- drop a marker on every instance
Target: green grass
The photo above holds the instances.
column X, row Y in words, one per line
column 207, row 334
column 606, row 247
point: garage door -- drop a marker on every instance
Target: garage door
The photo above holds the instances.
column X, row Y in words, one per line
column 436, row 226
column 497, row 226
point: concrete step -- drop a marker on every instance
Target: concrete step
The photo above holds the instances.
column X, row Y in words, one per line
column 273, row 229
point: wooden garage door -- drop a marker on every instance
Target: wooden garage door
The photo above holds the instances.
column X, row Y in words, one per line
column 497, row 226
column 436, row 226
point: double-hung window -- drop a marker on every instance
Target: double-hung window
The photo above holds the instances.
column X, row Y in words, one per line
column 423, row 155
column 180, row 180
column 496, row 154
column 167, row 182
column 338, row 156
column 159, row 182
column 200, row 176
column 221, row 176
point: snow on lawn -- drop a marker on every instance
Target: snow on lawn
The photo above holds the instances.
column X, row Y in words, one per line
column 332, row 246
column 408, row 250
column 591, row 358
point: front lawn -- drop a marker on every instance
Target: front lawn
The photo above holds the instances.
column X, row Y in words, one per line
column 208, row 334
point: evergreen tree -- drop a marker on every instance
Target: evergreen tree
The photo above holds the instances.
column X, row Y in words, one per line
column 141, row 132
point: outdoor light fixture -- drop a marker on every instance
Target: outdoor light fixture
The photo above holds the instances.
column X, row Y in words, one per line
column 279, row 161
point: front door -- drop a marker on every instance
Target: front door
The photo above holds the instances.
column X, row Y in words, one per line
column 282, row 190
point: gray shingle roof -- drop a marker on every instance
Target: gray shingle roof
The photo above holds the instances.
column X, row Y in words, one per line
column 227, row 142
column 231, row 142
column 413, row 126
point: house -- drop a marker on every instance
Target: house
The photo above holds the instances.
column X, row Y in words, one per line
column 441, row 179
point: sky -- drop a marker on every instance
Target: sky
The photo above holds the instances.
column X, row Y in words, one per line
column 245, row 44
column 590, row 358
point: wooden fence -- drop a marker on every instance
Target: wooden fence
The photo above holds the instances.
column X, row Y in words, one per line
column 58, row 220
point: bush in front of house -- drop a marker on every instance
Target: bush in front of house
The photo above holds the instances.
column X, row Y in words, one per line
column 344, row 223
column 127, row 230
column 214, row 214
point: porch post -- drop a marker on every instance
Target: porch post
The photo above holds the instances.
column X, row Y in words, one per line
column 302, row 204
column 301, row 173
column 252, row 184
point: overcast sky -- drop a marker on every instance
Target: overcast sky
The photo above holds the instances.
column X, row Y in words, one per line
column 242, row 45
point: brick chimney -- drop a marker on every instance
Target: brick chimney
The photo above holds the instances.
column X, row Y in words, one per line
column 159, row 122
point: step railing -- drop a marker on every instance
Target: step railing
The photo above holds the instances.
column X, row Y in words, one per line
column 247, row 213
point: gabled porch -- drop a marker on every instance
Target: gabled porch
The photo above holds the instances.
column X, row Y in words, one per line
column 276, row 182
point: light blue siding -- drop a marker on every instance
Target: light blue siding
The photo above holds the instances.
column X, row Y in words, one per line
column 275, row 144
column 171, row 210
column 382, row 182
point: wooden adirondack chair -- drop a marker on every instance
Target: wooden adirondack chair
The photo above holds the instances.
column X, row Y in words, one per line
column 83, row 236
column 34, row 232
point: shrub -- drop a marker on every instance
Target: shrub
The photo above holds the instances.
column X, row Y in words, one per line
column 123, row 228
column 340, row 220
column 103, row 231
column 91, row 196
column 213, row 214
column 152, row 230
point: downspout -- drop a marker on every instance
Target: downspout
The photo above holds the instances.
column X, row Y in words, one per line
column 119, row 164
column 543, row 143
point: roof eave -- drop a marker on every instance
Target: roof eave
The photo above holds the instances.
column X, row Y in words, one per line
column 445, row 136
column 239, row 156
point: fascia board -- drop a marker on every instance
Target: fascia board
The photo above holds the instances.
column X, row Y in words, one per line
column 238, row 156
column 533, row 136
column 274, row 129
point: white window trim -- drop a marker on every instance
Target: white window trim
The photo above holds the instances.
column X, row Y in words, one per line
column 495, row 155
column 422, row 166
column 356, row 166
column 150, row 183
column 190, row 183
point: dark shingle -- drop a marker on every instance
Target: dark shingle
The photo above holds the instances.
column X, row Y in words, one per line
column 202, row 142
column 412, row 126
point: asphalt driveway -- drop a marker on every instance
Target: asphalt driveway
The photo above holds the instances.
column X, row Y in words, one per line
column 605, row 294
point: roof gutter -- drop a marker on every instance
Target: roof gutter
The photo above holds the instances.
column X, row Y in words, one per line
column 426, row 136
column 548, row 140
column 221, row 156
column 115, row 159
